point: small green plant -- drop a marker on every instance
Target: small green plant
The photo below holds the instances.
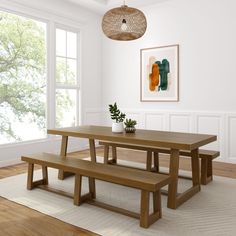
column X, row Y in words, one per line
column 116, row 114
column 130, row 123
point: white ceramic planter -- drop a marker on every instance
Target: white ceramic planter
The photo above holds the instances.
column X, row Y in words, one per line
column 118, row 127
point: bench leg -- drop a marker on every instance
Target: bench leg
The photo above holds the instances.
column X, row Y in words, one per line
column 156, row 161
column 157, row 203
column 209, row 169
column 30, row 176
column 144, row 209
column 114, row 155
column 206, row 171
column 106, row 154
column 92, row 187
column 149, row 161
column 147, row 219
column 77, row 189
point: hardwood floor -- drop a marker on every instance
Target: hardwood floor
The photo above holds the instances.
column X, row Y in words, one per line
column 18, row 220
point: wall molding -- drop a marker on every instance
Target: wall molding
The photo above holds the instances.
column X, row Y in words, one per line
column 230, row 136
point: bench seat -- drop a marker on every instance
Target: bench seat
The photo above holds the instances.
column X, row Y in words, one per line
column 147, row 182
column 206, row 157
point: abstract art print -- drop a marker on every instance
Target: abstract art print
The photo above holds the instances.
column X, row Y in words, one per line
column 159, row 74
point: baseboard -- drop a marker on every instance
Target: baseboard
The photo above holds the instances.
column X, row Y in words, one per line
column 10, row 163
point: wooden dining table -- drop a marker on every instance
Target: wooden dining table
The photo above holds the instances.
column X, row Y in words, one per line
column 175, row 141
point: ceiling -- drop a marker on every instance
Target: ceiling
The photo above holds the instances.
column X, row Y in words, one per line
column 101, row 6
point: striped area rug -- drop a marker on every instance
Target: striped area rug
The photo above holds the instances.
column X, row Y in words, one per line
column 211, row 212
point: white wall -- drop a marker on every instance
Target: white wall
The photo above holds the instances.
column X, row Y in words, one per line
column 206, row 34
column 205, row 31
column 89, row 24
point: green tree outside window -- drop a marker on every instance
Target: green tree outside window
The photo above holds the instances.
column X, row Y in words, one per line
column 22, row 73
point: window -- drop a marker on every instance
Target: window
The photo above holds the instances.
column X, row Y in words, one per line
column 66, row 78
column 26, row 92
column 22, row 78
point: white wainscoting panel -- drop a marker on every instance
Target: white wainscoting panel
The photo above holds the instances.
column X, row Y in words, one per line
column 211, row 124
column 155, row 121
column 180, row 122
column 231, row 137
column 92, row 117
column 105, row 118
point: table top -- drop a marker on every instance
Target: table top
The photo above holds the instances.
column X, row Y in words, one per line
column 176, row 140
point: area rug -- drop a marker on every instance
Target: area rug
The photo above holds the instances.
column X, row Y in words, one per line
column 210, row 212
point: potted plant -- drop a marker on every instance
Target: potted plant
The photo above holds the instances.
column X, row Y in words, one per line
column 130, row 125
column 118, row 117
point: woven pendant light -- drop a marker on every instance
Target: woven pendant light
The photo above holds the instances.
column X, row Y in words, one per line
column 124, row 23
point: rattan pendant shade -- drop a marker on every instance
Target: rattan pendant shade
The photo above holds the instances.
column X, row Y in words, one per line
column 124, row 23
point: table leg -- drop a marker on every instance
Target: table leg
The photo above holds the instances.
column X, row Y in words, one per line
column 30, row 176
column 173, row 186
column 92, row 187
column 92, row 150
column 195, row 168
column 64, row 143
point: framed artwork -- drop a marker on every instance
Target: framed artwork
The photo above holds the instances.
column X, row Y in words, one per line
column 159, row 74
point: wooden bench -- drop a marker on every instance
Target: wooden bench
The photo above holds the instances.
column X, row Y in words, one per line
column 206, row 157
column 147, row 182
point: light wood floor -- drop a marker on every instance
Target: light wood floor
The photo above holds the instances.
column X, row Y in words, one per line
column 18, row 220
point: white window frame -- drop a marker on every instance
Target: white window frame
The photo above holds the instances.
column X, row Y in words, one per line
column 65, row 86
column 51, row 26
